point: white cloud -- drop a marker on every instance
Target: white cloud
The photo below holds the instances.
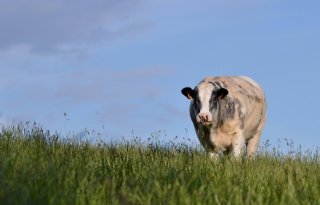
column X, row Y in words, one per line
column 44, row 26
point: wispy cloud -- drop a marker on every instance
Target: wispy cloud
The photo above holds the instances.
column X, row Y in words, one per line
column 105, row 84
column 83, row 85
column 110, row 93
column 61, row 25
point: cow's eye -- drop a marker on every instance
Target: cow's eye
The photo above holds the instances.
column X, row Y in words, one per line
column 197, row 102
column 196, row 106
column 213, row 99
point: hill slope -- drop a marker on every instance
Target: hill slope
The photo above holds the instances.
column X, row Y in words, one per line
column 39, row 168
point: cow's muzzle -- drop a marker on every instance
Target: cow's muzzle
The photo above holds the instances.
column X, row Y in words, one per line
column 204, row 119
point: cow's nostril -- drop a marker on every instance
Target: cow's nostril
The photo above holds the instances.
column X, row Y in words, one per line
column 204, row 118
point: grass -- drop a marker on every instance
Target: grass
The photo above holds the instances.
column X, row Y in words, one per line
column 37, row 167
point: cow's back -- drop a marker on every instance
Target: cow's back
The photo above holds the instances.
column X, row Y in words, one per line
column 249, row 100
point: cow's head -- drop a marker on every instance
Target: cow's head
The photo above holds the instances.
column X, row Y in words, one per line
column 205, row 97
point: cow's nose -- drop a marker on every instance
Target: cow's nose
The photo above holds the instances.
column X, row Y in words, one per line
column 203, row 117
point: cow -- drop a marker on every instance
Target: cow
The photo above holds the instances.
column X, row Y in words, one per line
column 228, row 114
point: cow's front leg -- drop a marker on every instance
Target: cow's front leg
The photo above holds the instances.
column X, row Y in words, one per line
column 238, row 144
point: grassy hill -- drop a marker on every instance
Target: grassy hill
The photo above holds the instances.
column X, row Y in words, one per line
column 39, row 168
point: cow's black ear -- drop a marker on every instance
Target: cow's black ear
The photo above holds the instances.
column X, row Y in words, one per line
column 221, row 93
column 188, row 92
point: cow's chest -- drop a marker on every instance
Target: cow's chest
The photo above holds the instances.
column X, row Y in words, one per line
column 219, row 139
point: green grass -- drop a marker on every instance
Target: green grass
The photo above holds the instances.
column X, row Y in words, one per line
column 39, row 168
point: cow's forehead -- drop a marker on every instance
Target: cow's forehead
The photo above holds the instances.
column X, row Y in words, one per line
column 205, row 91
column 205, row 86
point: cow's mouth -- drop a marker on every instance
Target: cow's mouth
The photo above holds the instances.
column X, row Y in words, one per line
column 208, row 123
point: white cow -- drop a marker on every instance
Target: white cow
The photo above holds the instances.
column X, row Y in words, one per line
column 228, row 114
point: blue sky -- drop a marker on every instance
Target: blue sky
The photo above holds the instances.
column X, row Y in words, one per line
column 118, row 66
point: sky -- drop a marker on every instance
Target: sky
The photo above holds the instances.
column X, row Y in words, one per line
column 116, row 68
